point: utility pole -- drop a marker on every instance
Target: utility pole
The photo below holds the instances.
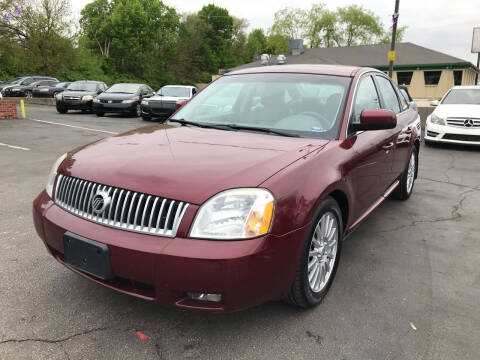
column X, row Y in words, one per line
column 391, row 53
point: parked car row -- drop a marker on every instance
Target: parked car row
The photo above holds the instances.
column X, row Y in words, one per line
column 123, row 98
column 26, row 86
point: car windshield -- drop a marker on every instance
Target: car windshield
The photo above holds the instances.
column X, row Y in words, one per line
column 123, row 88
column 299, row 104
column 174, row 91
column 82, row 86
column 14, row 81
column 463, row 96
column 62, row 84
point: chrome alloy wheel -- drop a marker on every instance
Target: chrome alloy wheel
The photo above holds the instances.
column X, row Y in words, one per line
column 323, row 252
column 411, row 173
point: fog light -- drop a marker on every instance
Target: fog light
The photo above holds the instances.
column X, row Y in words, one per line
column 204, row 297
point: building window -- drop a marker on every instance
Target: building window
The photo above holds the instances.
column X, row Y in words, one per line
column 404, row 77
column 432, row 77
column 457, row 77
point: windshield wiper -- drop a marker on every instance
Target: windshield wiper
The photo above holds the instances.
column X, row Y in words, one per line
column 260, row 129
column 193, row 123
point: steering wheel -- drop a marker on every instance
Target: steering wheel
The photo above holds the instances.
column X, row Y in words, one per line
column 317, row 116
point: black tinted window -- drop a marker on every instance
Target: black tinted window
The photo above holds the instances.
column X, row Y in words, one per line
column 404, row 77
column 457, row 77
column 432, row 77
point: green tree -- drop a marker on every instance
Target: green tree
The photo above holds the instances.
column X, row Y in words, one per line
column 256, row 43
column 219, row 36
column 322, row 28
column 358, row 26
column 290, row 23
column 277, row 44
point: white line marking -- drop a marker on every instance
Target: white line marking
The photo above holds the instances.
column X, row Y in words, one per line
column 73, row 126
column 15, row 147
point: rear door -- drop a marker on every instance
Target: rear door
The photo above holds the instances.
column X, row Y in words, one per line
column 371, row 160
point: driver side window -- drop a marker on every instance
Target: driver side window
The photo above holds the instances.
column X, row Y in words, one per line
column 366, row 98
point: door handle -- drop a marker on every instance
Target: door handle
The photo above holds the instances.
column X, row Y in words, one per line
column 388, row 146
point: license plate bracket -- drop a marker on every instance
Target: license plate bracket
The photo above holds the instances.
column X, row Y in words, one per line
column 87, row 255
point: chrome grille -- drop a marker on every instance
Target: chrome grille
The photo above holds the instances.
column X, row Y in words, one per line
column 127, row 210
column 460, row 122
column 66, row 97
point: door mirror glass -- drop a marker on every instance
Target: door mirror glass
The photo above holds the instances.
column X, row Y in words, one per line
column 375, row 119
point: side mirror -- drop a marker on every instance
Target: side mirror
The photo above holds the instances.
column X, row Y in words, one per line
column 376, row 119
column 434, row 102
column 413, row 105
column 180, row 103
column 99, row 91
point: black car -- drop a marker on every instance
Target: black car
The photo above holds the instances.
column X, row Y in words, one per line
column 122, row 98
column 23, row 86
column 50, row 90
column 79, row 96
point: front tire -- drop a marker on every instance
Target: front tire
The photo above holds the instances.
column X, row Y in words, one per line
column 405, row 188
column 62, row 110
column 320, row 256
column 146, row 118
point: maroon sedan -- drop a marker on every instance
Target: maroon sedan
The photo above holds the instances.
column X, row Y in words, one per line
column 244, row 195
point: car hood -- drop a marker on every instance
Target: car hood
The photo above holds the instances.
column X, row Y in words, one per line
column 116, row 96
column 186, row 163
column 79, row 93
column 167, row 98
column 461, row 111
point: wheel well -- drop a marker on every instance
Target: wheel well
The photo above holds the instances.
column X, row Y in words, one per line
column 342, row 201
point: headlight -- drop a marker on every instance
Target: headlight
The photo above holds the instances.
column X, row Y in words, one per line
column 87, row 97
column 131, row 101
column 44, row 90
column 95, row 100
column 144, row 102
column 16, row 89
column 437, row 120
column 235, row 214
column 59, row 96
column 53, row 175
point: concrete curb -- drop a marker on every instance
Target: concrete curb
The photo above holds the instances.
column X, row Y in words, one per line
column 34, row 101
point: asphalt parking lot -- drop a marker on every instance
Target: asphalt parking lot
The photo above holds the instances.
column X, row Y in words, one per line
column 408, row 285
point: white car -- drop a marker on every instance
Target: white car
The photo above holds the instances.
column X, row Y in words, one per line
column 166, row 101
column 456, row 118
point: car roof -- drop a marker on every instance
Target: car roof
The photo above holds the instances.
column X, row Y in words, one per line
column 467, row 87
column 89, row 81
column 182, row 86
column 338, row 70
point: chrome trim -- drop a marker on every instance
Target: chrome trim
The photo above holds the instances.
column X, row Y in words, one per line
column 74, row 195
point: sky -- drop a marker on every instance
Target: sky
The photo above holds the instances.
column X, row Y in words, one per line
column 441, row 25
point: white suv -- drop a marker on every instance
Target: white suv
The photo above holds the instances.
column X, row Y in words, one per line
column 456, row 118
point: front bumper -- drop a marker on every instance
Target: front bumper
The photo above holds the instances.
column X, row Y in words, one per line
column 75, row 104
column 163, row 112
column 451, row 134
column 161, row 269
column 115, row 107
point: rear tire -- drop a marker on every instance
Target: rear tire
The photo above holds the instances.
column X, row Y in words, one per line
column 405, row 188
column 321, row 250
column 28, row 94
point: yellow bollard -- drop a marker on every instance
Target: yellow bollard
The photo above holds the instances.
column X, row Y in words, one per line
column 22, row 107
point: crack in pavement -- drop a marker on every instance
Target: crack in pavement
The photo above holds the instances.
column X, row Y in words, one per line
column 450, row 183
column 454, row 215
column 55, row 341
